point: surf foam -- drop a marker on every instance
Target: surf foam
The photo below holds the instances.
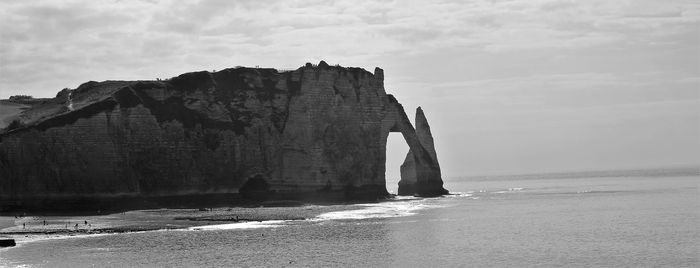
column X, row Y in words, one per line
column 238, row 225
column 379, row 210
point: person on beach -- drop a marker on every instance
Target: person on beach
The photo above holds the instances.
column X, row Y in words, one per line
column 24, row 225
column 76, row 226
column 85, row 222
column 44, row 222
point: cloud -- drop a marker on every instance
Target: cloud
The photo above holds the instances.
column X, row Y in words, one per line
column 142, row 39
column 531, row 73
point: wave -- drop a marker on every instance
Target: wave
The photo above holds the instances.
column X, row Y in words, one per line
column 405, row 197
column 239, row 225
column 595, row 192
column 379, row 210
column 404, row 206
column 510, row 190
column 457, row 195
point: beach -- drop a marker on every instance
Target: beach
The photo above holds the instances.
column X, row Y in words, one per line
column 32, row 228
column 608, row 219
column 6, row 222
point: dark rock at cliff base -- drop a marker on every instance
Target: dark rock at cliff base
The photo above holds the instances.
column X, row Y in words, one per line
column 7, row 242
column 420, row 172
column 255, row 188
column 317, row 132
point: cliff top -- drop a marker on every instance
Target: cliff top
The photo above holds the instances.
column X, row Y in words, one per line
column 20, row 111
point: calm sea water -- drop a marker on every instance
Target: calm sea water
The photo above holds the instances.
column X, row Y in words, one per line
column 633, row 220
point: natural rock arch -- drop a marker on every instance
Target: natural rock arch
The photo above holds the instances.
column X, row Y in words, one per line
column 420, row 172
column 314, row 131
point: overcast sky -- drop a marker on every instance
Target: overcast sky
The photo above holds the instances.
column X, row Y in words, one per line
column 508, row 86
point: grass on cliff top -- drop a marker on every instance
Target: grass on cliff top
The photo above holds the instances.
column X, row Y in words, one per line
column 9, row 111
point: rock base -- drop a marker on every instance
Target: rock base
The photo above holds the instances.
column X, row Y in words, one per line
column 423, row 188
column 254, row 198
column 6, row 242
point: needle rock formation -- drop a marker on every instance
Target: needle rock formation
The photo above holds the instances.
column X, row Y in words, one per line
column 316, row 132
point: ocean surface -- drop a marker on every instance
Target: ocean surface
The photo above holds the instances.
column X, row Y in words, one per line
column 613, row 219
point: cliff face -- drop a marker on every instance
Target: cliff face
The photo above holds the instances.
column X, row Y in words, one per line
column 420, row 172
column 313, row 131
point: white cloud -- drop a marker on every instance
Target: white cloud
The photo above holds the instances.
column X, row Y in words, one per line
column 118, row 36
column 538, row 58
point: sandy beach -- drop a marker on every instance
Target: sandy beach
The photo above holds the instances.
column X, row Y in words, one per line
column 38, row 227
column 6, row 222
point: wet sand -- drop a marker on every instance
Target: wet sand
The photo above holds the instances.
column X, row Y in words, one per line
column 6, row 222
column 38, row 227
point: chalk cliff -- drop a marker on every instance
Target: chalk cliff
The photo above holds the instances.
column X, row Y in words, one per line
column 318, row 131
column 421, row 176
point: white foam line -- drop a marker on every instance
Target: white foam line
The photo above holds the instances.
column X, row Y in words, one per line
column 238, row 225
column 380, row 210
column 459, row 194
column 405, row 197
column 510, row 190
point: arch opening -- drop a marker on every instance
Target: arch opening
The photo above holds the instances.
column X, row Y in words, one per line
column 396, row 150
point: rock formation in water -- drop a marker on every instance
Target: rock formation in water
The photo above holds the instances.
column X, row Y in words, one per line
column 427, row 167
column 318, row 131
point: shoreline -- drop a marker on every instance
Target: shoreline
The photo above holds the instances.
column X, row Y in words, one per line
column 34, row 228
column 26, row 229
column 96, row 205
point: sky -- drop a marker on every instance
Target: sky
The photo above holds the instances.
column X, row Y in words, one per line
column 508, row 86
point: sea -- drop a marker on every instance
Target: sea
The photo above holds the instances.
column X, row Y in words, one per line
column 647, row 218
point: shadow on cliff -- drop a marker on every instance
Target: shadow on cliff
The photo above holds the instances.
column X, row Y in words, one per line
column 316, row 134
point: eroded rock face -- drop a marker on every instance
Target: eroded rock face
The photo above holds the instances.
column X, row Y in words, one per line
column 420, row 172
column 315, row 131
